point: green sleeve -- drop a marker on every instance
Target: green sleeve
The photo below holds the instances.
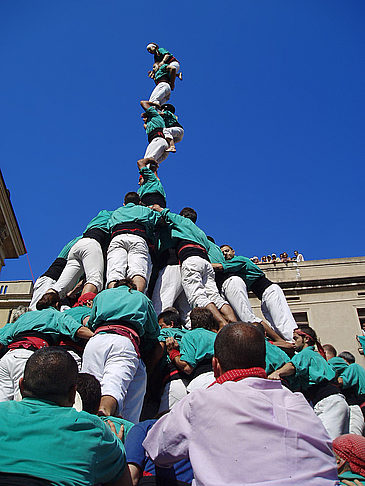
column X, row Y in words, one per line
column 163, row 51
column 234, row 265
column 349, row 377
column 300, row 362
column 111, row 460
column 7, row 334
column 152, row 329
column 67, row 325
column 188, row 350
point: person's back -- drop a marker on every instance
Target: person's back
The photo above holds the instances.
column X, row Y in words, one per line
column 262, row 434
column 44, row 437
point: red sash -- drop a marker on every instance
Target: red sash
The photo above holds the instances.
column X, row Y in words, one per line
column 122, row 331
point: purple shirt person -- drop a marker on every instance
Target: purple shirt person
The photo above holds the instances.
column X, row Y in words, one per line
column 244, row 429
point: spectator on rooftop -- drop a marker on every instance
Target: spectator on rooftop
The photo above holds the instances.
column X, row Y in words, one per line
column 284, row 257
column 255, row 260
column 268, row 258
column 274, row 258
column 298, row 257
column 263, row 259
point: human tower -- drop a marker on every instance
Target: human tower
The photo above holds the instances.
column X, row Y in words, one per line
column 143, row 286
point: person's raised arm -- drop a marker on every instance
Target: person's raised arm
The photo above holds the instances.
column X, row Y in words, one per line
column 84, row 333
column 287, row 370
column 172, row 347
column 145, row 104
column 141, row 163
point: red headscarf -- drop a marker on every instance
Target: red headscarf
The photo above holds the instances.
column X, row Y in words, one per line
column 312, row 341
column 351, row 447
column 84, row 298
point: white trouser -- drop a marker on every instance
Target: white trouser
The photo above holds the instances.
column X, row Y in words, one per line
column 41, row 286
column 334, row 414
column 86, row 256
column 234, row 290
column 167, row 289
column 12, row 366
column 277, row 312
column 197, row 277
column 201, row 381
column 356, row 420
column 173, row 392
column 174, row 133
column 176, row 65
column 76, row 357
column 128, row 256
column 156, row 149
column 161, row 93
column 113, row 360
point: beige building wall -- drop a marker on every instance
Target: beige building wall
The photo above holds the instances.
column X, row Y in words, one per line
column 12, row 295
column 330, row 291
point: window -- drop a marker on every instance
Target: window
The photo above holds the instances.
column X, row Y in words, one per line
column 361, row 316
column 301, row 318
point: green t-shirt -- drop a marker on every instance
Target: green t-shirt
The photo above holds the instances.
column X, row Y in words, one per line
column 197, row 345
column 160, row 53
column 169, row 118
column 338, row 365
column 311, row 368
column 78, row 313
column 173, row 332
column 100, row 221
column 67, row 447
column 184, row 229
column 275, row 357
column 350, row 476
column 244, row 268
column 215, row 254
column 47, row 321
column 117, row 421
column 151, row 183
column 354, row 375
column 66, row 249
column 130, row 306
column 162, row 72
column 135, row 213
column 154, row 120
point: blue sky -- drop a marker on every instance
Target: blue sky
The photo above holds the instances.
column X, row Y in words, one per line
column 272, row 103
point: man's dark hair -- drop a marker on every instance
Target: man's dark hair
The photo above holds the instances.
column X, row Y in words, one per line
column 168, row 107
column 226, row 245
column 347, row 356
column 49, row 374
column 127, row 282
column 202, row 317
column 240, row 346
column 89, row 389
column 50, row 299
column 331, row 349
column 170, row 317
column 131, row 197
column 189, row 213
column 210, row 238
column 308, row 330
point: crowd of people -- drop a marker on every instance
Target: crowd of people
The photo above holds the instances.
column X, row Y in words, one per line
column 283, row 258
column 140, row 360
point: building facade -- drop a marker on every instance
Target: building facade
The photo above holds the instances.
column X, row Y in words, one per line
column 329, row 295
column 11, row 241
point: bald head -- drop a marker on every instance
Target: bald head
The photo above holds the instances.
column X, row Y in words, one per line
column 240, row 346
